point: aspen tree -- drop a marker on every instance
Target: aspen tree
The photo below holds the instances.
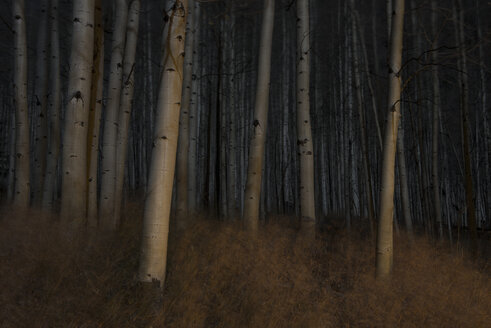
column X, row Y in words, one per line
column 41, row 98
column 108, row 173
column 126, row 104
column 384, row 252
column 260, row 120
column 304, row 131
column 54, row 104
column 95, row 116
column 74, row 166
column 436, row 113
column 153, row 255
column 21, row 180
column 183, row 142
column 464, row 106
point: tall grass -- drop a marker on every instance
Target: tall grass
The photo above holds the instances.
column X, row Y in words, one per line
column 219, row 277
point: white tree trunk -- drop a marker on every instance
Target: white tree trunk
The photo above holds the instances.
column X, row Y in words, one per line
column 95, row 116
column 260, row 121
column 22, row 186
column 54, row 103
column 304, row 131
column 108, row 173
column 126, row 104
column 158, row 200
column 384, row 253
column 74, row 167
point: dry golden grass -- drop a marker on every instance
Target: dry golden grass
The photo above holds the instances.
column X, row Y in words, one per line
column 219, row 277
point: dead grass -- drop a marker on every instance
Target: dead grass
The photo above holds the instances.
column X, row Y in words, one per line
column 219, row 277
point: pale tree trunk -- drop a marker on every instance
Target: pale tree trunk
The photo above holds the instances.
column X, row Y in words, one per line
column 361, row 116
column 22, row 186
column 436, row 114
column 108, row 173
column 304, row 131
column 183, row 142
column 153, row 255
column 95, row 116
column 469, row 189
column 384, row 252
column 256, row 151
column 74, row 167
column 41, row 116
column 54, row 104
column 125, row 105
column 193, row 116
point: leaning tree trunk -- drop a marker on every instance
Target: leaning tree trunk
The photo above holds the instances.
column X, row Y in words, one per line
column 95, row 116
column 153, row 255
column 108, row 173
column 126, row 104
column 183, row 143
column 41, row 94
column 385, row 232
column 260, row 121
column 74, row 169
column 22, row 186
column 54, row 103
column 304, row 131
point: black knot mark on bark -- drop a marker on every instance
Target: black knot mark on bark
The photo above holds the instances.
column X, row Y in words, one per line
column 309, row 153
column 76, row 20
column 180, row 38
column 18, row 17
column 163, row 138
column 256, row 123
column 302, row 142
column 19, row 155
column 170, row 70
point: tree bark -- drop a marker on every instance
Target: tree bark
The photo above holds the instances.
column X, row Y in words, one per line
column 260, row 121
column 158, row 201
column 304, row 131
column 384, row 250
column 126, row 104
column 22, row 185
column 111, row 121
column 74, row 181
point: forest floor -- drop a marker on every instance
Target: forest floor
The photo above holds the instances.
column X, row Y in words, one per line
column 218, row 277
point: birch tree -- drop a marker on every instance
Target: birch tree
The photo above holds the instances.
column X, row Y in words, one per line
column 108, row 174
column 260, row 121
column 304, row 131
column 126, row 103
column 153, row 255
column 22, row 185
column 74, row 166
column 384, row 252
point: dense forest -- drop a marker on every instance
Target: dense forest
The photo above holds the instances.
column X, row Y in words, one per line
column 255, row 163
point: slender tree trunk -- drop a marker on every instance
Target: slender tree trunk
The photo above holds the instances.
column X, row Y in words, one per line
column 260, row 121
column 361, row 116
column 469, row 189
column 74, row 172
column 22, row 185
column 403, row 178
column 126, row 105
column 305, row 142
column 111, row 121
column 95, row 116
column 54, row 103
column 436, row 110
column 194, row 115
column 41, row 95
column 386, row 212
column 158, row 201
column 183, row 143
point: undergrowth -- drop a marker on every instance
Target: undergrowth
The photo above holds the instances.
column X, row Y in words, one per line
column 219, row 277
